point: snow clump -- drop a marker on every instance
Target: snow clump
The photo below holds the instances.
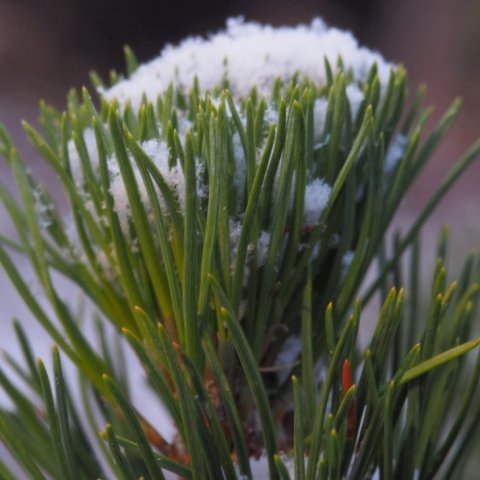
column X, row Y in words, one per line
column 249, row 54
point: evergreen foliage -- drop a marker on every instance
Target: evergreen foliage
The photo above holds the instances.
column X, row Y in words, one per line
column 213, row 288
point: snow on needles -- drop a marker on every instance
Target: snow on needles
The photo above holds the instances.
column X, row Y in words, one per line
column 317, row 193
column 243, row 56
column 248, row 54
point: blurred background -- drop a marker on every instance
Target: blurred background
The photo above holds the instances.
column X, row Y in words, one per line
column 48, row 46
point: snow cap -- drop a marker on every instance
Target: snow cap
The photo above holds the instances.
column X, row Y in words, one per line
column 248, row 54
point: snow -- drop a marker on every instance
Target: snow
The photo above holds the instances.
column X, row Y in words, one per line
column 158, row 152
column 235, row 230
column 317, row 194
column 248, row 54
column 240, row 167
column 355, row 97
column 155, row 149
column 261, row 247
column 244, row 54
column 260, row 467
column 395, row 152
column 320, row 108
column 43, row 208
column 74, row 157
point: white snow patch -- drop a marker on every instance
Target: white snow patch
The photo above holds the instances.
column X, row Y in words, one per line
column 235, row 230
column 240, row 174
column 320, row 108
column 250, row 54
column 355, row 97
column 202, row 190
column 261, row 248
column 260, row 468
column 270, row 117
column 74, row 157
column 44, row 209
column 395, row 152
column 317, row 194
column 158, row 152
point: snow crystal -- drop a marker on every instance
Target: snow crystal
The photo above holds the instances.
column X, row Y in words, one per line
column 202, row 191
column 355, row 97
column 263, row 243
column 109, row 268
column 158, row 152
column 44, row 209
column 120, row 199
column 250, row 54
column 270, row 117
column 317, row 194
